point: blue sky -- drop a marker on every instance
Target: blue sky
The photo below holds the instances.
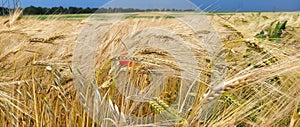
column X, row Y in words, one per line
column 210, row 5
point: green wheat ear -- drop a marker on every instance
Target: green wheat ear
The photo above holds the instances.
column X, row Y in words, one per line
column 165, row 110
column 158, row 108
column 158, row 105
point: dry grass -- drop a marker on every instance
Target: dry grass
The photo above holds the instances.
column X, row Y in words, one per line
column 257, row 85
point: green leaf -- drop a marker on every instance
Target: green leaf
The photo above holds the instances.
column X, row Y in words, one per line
column 283, row 26
column 275, row 33
column 261, row 35
column 270, row 29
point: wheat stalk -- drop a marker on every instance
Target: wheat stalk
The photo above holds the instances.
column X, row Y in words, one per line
column 47, row 40
column 153, row 51
column 245, row 79
column 149, row 60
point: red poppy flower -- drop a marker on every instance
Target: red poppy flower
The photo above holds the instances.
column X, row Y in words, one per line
column 124, row 63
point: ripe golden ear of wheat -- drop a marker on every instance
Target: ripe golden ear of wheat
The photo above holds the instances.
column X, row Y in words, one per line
column 47, row 40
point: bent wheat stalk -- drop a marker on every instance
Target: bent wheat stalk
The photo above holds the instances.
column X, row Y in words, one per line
column 149, row 60
column 47, row 40
column 251, row 77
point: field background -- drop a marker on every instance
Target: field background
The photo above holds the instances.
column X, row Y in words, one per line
column 32, row 94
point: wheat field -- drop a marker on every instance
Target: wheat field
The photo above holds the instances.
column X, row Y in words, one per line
column 243, row 80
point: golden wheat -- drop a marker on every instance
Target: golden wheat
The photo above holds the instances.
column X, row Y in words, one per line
column 265, row 93
column 47, row 40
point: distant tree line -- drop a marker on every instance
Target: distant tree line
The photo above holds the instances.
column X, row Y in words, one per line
column 32, row 10
column 4, row 11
